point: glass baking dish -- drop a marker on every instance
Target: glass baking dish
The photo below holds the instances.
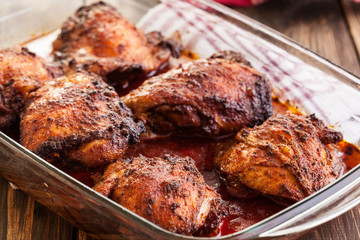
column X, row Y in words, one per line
column 305, row 79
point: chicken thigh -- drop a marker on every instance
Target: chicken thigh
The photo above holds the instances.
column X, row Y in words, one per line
column 288, row 158
column 100, row 40
column 168, row 191
column 79, row 119
column 21, row 72
column 206, row 97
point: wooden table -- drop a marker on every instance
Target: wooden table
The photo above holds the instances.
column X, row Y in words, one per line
column 329, row 27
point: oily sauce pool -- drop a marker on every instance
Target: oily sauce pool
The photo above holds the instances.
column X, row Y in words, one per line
column 242, row 213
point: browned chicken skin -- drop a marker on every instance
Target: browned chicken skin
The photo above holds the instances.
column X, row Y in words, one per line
column 288, row 157
column 168, row 191
column 208, row 97
column 98, row 39
column 21, row 72
column 78, row 118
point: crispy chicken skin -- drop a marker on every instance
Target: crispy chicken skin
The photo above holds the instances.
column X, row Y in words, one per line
column 288, row 157
column 21, row 72
column 206, row 97
column 100, row 40
column 78, row 118
column 168, row 191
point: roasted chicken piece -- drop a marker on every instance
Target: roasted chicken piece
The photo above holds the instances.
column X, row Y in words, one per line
column 168, row 191
column 100, row 40
column 21, row 72
column 206, row 97
column 79, row 119
column 288, row 158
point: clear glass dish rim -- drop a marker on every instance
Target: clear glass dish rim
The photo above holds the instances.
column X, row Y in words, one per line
column 253, row 231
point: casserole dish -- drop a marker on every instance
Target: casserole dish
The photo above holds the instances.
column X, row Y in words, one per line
column 81, row 205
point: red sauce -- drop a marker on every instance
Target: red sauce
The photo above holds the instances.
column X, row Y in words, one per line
column 186, row 56
column 246, row 212
column 242, row 213
column 86, row 177
column 351, row 155
column 201, row 150
column 125, row 88
column 83, row 176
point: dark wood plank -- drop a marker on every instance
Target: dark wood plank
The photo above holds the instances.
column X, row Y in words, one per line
column 318, row 25
column 83, row 236
column 3, row 208
column 345, row 227
column 48, row 225
column 23, row 218
column 352, row 13
column 20, row 215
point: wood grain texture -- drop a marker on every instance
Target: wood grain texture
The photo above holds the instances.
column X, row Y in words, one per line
column 82, row 236
column 48, row 225
column 345, row 227
column 19, row 215
column 318, row 25
column 352, row 14
column 23, row 218
column 328, row 27
column 3, row 208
